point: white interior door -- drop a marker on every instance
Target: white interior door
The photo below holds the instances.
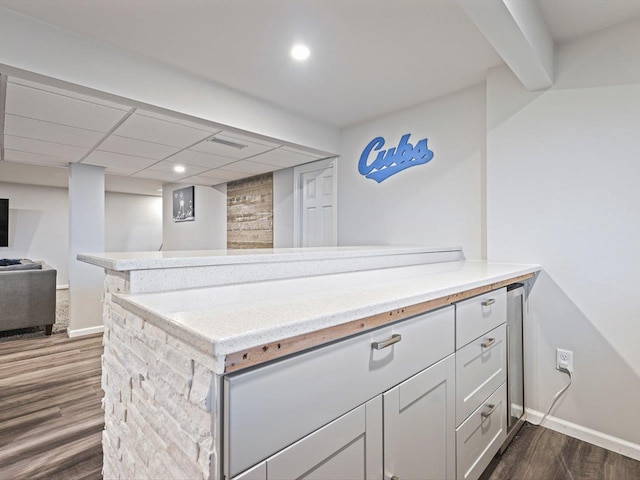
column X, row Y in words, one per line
column 316, row 201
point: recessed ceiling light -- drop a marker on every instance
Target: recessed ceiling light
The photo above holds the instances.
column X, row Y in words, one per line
column 178, row 169
column 300, row 52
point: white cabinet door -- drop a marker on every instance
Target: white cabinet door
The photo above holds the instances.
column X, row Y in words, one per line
column 347, row 448
column 419, row 425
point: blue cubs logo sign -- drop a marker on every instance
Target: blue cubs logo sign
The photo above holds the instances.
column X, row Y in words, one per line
column 389, row 162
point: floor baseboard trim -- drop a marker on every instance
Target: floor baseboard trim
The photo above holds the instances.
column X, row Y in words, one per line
column 600, row 439
column 85, row 331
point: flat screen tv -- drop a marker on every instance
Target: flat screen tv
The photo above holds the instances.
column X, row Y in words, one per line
column 4, row 222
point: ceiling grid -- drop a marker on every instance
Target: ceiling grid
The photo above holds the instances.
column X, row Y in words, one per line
column 52, row 127
column 106, row 135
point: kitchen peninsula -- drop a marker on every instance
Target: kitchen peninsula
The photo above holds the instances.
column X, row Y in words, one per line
column 250, row 364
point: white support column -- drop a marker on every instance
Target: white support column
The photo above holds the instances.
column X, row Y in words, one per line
column 517, row 31
column 86, row 234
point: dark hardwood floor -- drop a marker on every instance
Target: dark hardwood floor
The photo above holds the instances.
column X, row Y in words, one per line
column 51, row 417
column 538, row 453
column 51, row 422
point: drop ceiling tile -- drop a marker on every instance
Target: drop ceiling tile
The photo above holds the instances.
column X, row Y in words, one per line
column 34, row 158
column 196, row 123
column 50, row 107
column 240, row 138
column 251, row 147
column 69, row 93
column 50, row 132
column 199, row 180
column 117, row 160
column 160, row 131
column 120, row 170
column 137, row 148
column 191, row 157
column 223, row 174
column 305, row 152
column 160, row 175
column 250, row 168
column 283, row 158
column 71, row 153
column 168, row 166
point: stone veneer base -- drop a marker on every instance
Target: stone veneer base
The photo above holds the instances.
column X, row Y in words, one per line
column 160, row 400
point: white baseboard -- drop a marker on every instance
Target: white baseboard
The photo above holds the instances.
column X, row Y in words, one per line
column 618, row 445
column 85, row 331
column 62, row 287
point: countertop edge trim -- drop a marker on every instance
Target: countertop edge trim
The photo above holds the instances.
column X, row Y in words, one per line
column 276, row 349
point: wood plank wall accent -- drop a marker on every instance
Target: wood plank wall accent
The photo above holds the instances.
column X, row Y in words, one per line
column 250, row 212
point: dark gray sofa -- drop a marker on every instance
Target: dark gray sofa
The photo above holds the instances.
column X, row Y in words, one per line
column 27, row 298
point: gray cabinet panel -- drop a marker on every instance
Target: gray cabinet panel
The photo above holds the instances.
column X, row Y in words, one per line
column 259, row 472
column 348, row 448
column 419, row 425
column 271, row 407
column 374, row 438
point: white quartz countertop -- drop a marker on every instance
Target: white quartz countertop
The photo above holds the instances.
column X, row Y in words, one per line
column 127, row 261
column 228, row 319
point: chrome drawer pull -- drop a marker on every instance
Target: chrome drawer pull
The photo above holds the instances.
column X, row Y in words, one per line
column 395, row 338
column 488, row 343
column 491, row 301
column 492, row 408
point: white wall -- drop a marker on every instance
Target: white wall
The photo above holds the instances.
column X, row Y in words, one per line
column 562, row 171
column 133, row 222
column 209, row 229
column 283, row 208
column 438, row 203
column 39, row 224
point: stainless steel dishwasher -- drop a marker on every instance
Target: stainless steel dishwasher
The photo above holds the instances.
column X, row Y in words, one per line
column 515, row 361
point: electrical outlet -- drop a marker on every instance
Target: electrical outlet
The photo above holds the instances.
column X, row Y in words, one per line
column 564, row 359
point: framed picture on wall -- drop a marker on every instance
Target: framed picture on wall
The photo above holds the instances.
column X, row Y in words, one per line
column 184, row 205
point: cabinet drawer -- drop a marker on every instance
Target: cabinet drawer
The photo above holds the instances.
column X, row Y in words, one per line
column 479, row 438
column 477, row 315
column 270, row 407
column 481, row 367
